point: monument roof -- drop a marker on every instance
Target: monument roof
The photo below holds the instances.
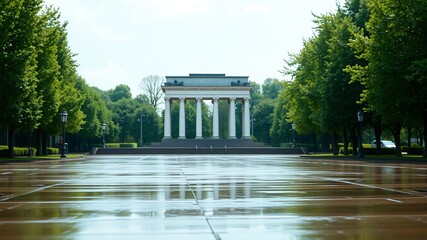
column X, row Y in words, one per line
column 206, row 80
column 207, row 75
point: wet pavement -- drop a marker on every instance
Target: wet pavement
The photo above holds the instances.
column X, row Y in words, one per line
column 212, row 197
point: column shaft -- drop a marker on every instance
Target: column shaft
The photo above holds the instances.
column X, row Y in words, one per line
column 215, row 121
column 243, row 118
column 232, row 120
column 199, row 134
column 247, row 126
column 181, row 118
column 167, row 122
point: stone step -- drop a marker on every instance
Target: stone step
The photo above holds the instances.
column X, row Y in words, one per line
column 203, row 150
column 207, row 143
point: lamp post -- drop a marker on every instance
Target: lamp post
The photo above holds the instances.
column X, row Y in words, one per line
column 103, row 127
column 252, row 123
column 293, row 134
column 64, row 117
column 360, row 116
column 140, row 121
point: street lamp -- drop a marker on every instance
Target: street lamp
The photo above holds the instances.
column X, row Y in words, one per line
column 64, row 117
column 140, row 121
column 360, row 116
column 252, row 122
column 293, row 134
column 103, row 127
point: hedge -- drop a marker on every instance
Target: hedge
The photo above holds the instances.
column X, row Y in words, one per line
column 414, row 150
column 116, row 145
column 128, row 145
column 18, row 151
column 52, row 151
column 386, row 151
column 112, row 145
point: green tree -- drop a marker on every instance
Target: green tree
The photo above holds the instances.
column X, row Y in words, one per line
column 20, row 103
column 395, row 48
column 263, row 116
column 71, row 99
column 96, row 113
column 121, row 91
column 49, row 32
column 124, row 115
column 271, row 88
column 150, row 124
column 300, row 99
column 339, row 96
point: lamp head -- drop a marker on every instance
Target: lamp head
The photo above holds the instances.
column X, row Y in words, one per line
column 64, row 116
column 360, row 116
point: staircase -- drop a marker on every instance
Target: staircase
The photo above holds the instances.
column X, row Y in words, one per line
column 202, row 146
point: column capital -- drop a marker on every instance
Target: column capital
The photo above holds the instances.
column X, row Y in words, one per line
column 199, row 99
column 167, row 98
column 247, row 99
column 233, row 98
column 182, row 98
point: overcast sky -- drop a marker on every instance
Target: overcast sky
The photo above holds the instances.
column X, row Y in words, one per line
column 122, row 41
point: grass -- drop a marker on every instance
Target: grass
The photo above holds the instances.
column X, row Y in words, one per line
column 384, row 157
column 37, row 158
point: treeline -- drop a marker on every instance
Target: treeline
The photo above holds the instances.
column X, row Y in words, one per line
column 369, row 55
column 39, row 80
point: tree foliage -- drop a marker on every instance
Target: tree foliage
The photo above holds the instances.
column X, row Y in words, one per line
column 369, row 54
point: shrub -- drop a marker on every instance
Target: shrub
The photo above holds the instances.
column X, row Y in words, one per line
column 18, row 151
column 415, row 150
column 128, row 145
column 369, row 150
column 3, row 152
column 112, row 145
column 350, row 150
column 51, row 151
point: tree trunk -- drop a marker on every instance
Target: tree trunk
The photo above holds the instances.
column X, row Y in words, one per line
column 396, row 134
column 39, row 142
column 425, row 134
column 354, row 143
column 314, row 139
column 335, row 138
column 409, row 137
column 378, row 131
column 11, row 142
column 325, row 143
column 345, row 140
column 45, row 142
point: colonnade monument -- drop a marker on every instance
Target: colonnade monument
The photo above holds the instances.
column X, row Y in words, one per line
column 214, row 87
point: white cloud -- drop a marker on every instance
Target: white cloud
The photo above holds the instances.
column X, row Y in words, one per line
column 170, row 8
column 106, row 77
column 257, row 8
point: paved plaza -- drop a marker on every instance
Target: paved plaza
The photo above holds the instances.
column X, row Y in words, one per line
column 212, row 197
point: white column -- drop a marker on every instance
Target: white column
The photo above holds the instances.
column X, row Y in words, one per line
column 181, row 118
column 232, row 120
column 167, row 123
column 243, row 118
column 247, row 129
column 199, row 119
column 215, row 122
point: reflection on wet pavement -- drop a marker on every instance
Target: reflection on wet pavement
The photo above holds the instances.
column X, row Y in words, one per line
column 212, row 197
